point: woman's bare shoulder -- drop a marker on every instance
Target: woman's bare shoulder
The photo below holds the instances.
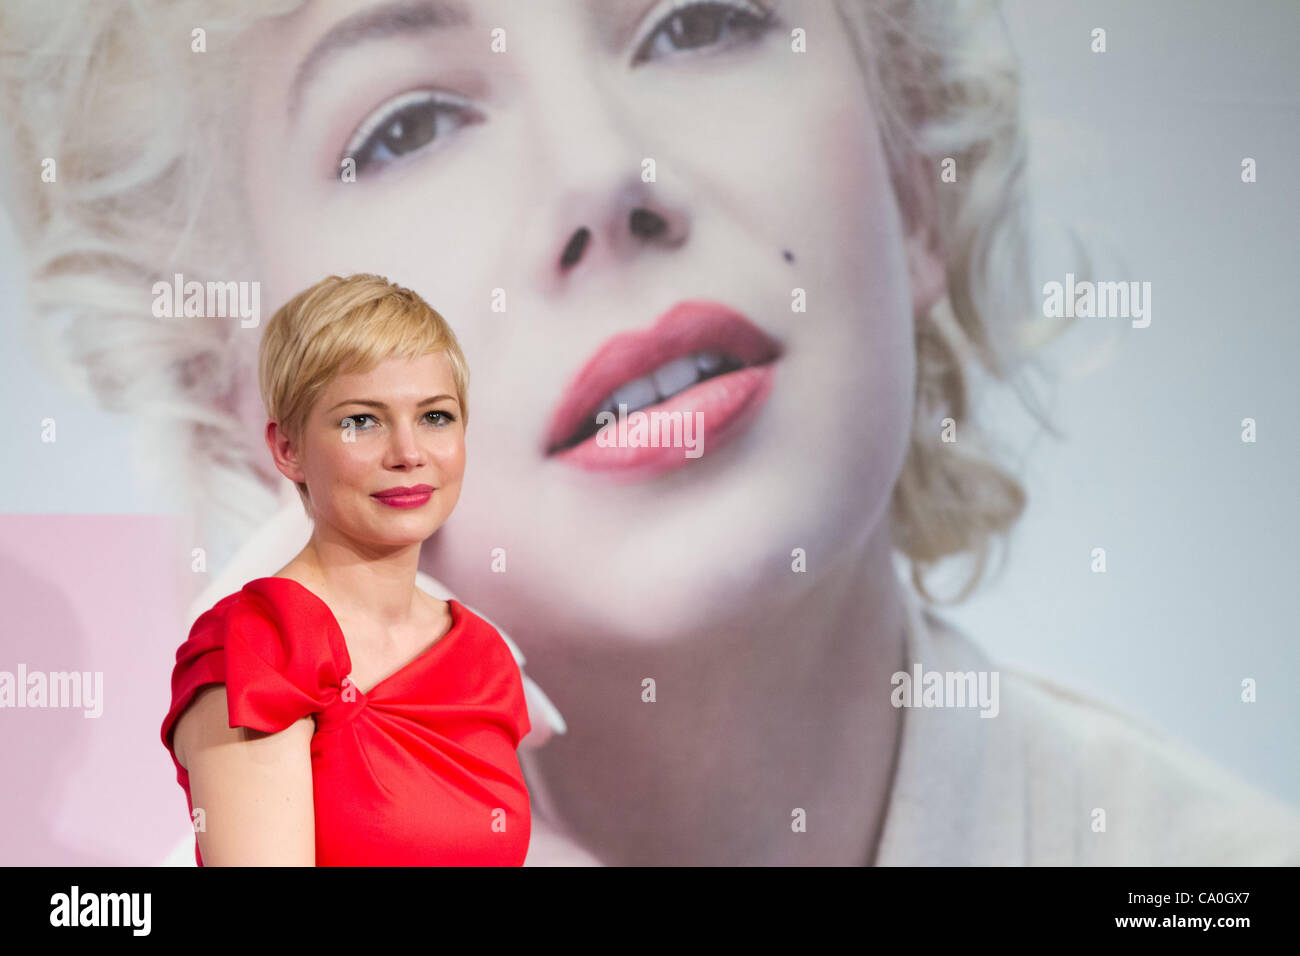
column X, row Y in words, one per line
column 199, row 719
column 205, row 723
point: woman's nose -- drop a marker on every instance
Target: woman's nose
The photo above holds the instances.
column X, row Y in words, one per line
column 642, row 223
column 405, row 449
column 616, row 222
column 605, row 203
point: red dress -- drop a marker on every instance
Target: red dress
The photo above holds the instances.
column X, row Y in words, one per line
column 421, row 771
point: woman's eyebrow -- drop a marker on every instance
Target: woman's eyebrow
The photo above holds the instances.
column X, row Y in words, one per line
column 371, row 403
column 376, row 23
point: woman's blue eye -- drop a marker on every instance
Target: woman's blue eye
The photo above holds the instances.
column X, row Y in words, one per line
column 404, row 125
column 697, row 25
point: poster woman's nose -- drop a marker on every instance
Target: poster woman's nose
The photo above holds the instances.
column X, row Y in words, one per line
column 645, row 223
column 616, row 231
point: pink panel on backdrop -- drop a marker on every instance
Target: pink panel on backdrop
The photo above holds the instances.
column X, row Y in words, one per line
column 101, row 595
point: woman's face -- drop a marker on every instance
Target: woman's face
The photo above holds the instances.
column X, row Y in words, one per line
column 503, row 176
column 398, row 426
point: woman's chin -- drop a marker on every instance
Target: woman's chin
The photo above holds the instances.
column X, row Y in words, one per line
column 393, row 535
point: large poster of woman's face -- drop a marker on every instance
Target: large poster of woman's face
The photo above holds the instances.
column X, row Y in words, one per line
column 881, row 449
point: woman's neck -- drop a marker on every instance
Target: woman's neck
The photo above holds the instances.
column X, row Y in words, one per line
column 377, row 589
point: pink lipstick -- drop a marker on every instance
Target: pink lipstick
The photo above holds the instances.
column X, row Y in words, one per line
column 699, row 357
column 402, row 497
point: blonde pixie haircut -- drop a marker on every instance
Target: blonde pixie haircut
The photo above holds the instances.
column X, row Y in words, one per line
column 342, row 326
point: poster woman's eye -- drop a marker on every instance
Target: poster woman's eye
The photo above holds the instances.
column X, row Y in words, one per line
column 700, row 24
column 405, row 124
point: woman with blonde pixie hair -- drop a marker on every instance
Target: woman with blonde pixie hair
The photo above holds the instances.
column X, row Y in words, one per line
column 305, row 345
column 334, row 713
column 802, row 225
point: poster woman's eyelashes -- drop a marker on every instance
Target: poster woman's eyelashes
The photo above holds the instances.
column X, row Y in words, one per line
column 683, row 25
column 410, row 121
column 404, row 124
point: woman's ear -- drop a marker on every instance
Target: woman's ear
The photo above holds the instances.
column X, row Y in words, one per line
column 923, row 244
column 283, row 453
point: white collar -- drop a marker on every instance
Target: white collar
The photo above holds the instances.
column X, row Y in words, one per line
column 959, row 794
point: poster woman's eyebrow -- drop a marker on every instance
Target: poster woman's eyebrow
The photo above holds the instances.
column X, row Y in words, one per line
column 376, row 23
